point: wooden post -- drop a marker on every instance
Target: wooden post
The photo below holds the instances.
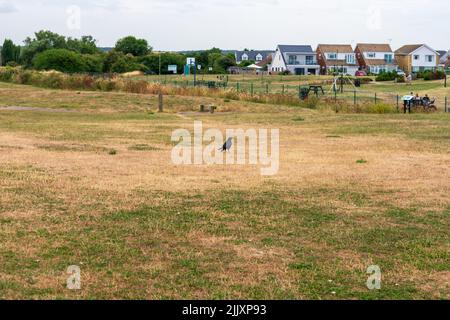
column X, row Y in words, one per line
column 375, row 98
column 446, row 106
column 398, row 103
column 354, row 97
column 283, row 88
column 267, row 88
column 161, row 102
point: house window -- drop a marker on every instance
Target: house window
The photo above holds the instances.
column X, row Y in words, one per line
column 416, row 57
column 293, row 59
column 259, row 57
column 244, row 57
column 332, row 56
column 388, row 58
column 430, row 58
column 310, row 60
column 350, row 58
column 371, row 55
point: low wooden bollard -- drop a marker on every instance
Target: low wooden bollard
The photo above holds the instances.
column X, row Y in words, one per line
column 212, row 109
column 161, row 102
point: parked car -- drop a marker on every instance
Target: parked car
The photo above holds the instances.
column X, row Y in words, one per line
column 360, row 73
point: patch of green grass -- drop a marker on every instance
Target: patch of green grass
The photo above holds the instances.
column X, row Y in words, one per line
column 72, row 148
column 142, row 147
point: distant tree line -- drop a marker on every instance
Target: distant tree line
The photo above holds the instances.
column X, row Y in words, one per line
column 50, row 51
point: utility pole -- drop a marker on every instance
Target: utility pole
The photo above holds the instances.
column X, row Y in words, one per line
column 195, row 73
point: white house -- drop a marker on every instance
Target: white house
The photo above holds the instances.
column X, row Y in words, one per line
column 337, row 58
column 297, row 59
column 416, row 58
column 375, row 58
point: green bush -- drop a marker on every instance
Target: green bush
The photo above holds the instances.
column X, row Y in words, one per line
column 118, row 62
column 60, row 60
column 94, row 62
column 6, row 74
column 429, row 75
column 387, row 76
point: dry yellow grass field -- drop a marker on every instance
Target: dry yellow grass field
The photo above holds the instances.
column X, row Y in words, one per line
column 94, row 186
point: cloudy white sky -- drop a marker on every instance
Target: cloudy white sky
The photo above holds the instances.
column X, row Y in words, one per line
column 233, row 24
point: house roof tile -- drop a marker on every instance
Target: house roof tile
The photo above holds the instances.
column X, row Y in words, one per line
column 341, row 48
column 296, row 48
column 253, row 54
column 373, row 47
column 408, row 48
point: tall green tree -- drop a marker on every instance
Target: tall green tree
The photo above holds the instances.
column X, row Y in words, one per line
column 42, row 41
column 85, row 45
column 10, row 52
column 134, row 46
column 118, row 62
column 47, row 40
column 152, row 61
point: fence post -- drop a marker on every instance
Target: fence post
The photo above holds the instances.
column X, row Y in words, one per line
column 160, row 102
column 283, row 88
column 446, row 106
column 375, row 98
column 267, row 88
column 354, row 97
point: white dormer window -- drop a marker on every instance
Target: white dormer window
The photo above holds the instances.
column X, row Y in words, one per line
column 332, row 56
column 259, row 57
column 371, row 55
column 244, row 57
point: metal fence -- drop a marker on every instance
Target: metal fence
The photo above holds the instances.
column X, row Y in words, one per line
column 330, row 93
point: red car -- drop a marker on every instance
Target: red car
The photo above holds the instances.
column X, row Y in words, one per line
column 360, row 74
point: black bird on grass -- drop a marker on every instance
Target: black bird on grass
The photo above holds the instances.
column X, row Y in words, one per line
column 227, row 145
